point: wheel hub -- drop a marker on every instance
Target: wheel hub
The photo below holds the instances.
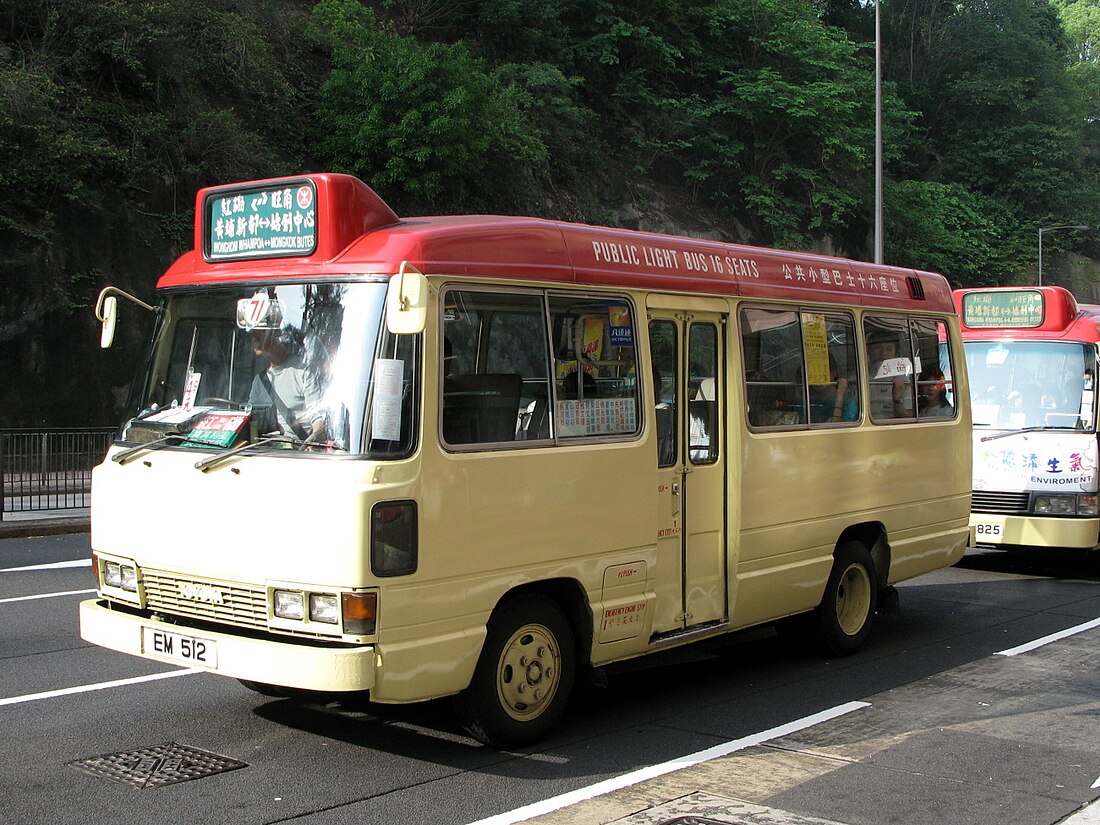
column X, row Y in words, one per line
column 527, row 677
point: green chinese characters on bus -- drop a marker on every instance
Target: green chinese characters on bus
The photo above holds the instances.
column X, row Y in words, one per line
column 265, row 222
column 1021, row 309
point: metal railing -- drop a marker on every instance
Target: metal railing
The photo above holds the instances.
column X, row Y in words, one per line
column 49, row 469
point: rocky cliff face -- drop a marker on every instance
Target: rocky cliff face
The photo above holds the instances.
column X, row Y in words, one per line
column 53, row 372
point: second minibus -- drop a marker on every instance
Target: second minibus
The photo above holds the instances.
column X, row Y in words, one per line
column 1031, row 353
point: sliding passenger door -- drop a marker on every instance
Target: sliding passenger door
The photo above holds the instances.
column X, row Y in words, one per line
column 686, row 351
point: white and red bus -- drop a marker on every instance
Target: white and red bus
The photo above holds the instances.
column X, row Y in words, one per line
column 479, row 456
column 1031, row 353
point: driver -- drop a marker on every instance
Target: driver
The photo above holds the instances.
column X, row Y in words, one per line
column 286, row 385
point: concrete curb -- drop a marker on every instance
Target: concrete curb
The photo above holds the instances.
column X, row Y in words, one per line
column 43, row 527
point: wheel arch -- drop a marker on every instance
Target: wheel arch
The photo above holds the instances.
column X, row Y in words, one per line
column 570, row 596
column 872, row 535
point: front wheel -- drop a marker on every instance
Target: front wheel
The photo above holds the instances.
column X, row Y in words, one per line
column 524, row 676
column 847, row 610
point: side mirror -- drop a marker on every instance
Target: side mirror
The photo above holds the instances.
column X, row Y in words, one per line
column 109, row 318
column 106, row 312
column 407, row 301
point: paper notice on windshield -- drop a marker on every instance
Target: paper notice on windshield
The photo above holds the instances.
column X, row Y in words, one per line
column 386, row 406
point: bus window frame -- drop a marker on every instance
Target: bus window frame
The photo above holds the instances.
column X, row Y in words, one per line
column 799, row 310
column 545, row 296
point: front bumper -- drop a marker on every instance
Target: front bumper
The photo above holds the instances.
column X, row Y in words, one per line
column 287, row 664
column 989, row 529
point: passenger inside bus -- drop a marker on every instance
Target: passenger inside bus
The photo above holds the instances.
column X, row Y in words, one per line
column 832, row 401
column 933, row 395
column 286, row 387
column 588, row 386
column 890, row 391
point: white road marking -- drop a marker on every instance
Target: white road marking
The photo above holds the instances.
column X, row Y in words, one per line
column 46, row 596
column 50, row 694
column 1053, row 637
column 652, row 771
column 57, row 565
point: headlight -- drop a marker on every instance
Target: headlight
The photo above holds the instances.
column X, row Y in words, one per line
column 323, row 608
column 290, row 604
column 122, row 576
column 1086, row 505
column 1055, row 505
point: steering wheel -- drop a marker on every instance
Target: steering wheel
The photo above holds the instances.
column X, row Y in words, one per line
column 215, row 400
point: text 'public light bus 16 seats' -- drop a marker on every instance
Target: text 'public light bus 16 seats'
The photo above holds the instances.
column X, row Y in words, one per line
column 1032, row 357
column 477, row 456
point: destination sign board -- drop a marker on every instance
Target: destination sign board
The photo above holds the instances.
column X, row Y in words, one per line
column 261, row 222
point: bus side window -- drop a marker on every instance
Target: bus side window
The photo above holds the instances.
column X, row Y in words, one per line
column 831, row 360
column 935, row 390
column 595, row 367
column 495, row 367
column 771, row 342
column 890, row 368
column 703, row 354
column 665, row 354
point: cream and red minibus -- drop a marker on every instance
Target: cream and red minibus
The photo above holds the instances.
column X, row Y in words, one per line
column 1031, row 353
column 480, row 456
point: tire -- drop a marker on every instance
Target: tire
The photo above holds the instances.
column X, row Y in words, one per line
column 847, row 610
column 524, row 676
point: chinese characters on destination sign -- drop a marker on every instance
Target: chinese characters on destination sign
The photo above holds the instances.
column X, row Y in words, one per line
column 261, row 223
column 1018, row 310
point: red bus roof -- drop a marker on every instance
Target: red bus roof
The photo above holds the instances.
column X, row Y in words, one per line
column 1036, row 312
column 328, row 225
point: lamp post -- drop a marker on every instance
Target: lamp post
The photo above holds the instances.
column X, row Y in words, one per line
column 1043, row 229
column 878, row 136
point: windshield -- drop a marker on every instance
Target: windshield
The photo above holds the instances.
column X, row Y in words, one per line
column 307, row 366
column 1018, row 384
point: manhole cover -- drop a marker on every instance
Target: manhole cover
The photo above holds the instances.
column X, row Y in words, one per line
column 156, row 766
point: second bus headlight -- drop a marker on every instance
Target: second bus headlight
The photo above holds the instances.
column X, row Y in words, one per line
column 1055, row 505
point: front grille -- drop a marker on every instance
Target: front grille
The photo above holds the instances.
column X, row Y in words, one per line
column 1009, row 504
column 240, row 605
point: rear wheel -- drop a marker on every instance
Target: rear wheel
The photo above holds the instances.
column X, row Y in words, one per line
column 525, row 674
column 847, row 610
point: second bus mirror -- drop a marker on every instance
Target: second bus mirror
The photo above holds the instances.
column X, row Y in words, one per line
column 407, row 301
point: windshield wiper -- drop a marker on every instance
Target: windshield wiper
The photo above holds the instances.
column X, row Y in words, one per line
column 1022, row 430
column 156, row 444
column 210, row 462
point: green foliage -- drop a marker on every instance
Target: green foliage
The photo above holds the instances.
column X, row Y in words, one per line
column 431, row 124
column 946, row 228
column 412, row 119
column 110, row 97
column 760, row 110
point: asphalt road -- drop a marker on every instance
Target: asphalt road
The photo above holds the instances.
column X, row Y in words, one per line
column 928, row 723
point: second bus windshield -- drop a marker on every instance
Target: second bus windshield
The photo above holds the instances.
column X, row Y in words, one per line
column 1017, row 384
